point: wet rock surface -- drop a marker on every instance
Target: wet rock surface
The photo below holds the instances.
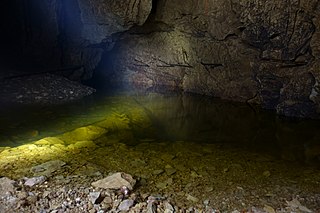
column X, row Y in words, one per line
column 42, row 89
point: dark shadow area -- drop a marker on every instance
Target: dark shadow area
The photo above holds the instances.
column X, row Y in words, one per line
column 102, row 75
column 35, row 35
column 10, row 36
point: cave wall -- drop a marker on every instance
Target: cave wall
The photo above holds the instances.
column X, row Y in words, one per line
column 66, row 35
column 264, row 52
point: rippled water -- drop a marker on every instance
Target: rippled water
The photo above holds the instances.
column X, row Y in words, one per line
column 174, row 117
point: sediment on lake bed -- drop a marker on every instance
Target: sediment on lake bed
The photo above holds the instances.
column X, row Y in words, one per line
column 180, row 176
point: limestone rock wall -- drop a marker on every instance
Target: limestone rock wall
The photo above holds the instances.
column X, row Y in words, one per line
column 248, row 50
column 102, row 18
column 255, row 51
column 74, row 33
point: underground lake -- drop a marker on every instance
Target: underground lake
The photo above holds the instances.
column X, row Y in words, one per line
column 159, row 106
column 194, row 150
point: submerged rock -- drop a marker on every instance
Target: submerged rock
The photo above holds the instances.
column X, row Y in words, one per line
column 158, row 171
column 170, row 171
column 192, row 198
column 84, row 134
column 47, row 168
column 49, row 141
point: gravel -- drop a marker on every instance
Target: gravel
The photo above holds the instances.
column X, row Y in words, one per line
column 41, row 89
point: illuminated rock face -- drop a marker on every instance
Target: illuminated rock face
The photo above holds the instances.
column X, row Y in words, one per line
column 73, row 34
column 101, row 18
column 255, row 51
column 88, row 31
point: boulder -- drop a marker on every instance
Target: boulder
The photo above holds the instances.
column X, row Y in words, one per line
column 115, row 181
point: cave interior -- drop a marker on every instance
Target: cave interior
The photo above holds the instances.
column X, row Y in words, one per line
column 238, row 80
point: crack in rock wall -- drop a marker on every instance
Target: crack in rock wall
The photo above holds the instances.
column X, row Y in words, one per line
column 255, row 51
column 246, row 50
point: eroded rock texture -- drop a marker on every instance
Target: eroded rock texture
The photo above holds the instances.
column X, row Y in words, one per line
column 264, row 52
column 74, row 33
column 255, row 51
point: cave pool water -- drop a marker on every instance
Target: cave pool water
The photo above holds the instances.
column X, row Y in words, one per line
column 191, row 148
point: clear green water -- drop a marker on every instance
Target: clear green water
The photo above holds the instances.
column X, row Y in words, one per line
column 174, row 117
column 175, row 145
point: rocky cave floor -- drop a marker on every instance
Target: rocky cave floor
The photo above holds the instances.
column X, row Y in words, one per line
column 42, row 88
column 59, row 174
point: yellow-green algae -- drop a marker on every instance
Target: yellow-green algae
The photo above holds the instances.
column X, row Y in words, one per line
column 123, row 141
column 16, row 162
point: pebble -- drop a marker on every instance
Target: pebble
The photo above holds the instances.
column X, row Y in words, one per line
column 32, row 199
column 195, row 174
column 170, row 171
column 22, row 195
column 157, row 172
column 209, row 189
column 266, row 173
column 167, row 157
column 151, row 208
column 47, row 168
column 126, row 205
column 168, row 207
column 269, row 209
column 95, row 197
column 192, row 198
column 161, row 185
column 206, row 202
column 34, row 181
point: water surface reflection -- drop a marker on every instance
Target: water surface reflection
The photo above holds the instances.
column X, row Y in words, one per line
column 173, row 117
